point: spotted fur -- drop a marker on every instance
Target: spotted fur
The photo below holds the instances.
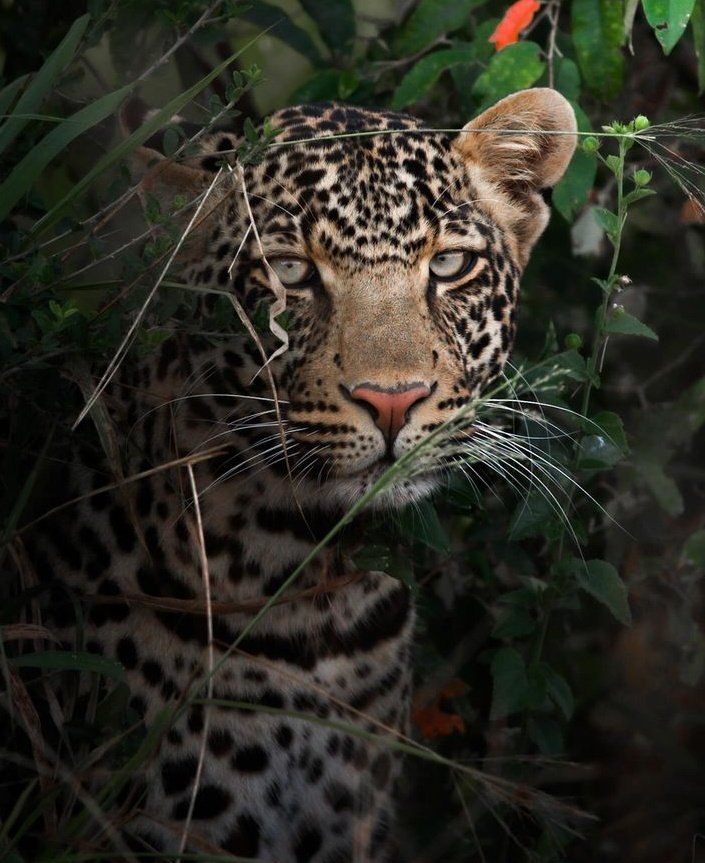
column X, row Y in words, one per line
column 370, row 212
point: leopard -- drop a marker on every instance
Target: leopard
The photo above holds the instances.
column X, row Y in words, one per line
column 212, row 572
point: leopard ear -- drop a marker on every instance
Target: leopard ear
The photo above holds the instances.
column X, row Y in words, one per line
column 159, row 176
column 525, row 140
column 512, row 151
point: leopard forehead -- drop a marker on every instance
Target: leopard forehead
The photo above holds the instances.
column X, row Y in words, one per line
column 359, row 187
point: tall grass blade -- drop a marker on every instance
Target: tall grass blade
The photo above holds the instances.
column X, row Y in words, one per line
column 26, row 171
column 43, row 82
column 137, row 138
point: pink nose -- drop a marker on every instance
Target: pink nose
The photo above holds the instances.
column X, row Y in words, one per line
column 390, row 407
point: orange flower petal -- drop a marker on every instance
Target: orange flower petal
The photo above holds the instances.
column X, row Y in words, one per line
column 516, row 18
column 433, row 722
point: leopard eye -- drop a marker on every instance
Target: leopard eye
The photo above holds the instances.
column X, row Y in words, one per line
column 292, row 271
column 448, row 265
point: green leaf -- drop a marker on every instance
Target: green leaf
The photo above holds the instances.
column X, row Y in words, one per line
column 515, row 67
column 421, row 522
column 668, row 18
column 65, row 660
column 602, row 581
column 335, row 20
column 514, row 622
column 424, row 74
column 697, row 22
column 610, row 424
column 327, row 84
column 430, row 20
column 662, row 486
column 282, row 27
column 373, row 558
column 546, row 733
column 694, row 548
column 534, row 516
column 572, row 190
column 598, row 453
column 43, row 81
column 25, row 173
column 628, row 325
column 509, row 682
column 570, row 363
column 598, row 31
column 559, row 691
column 136, row 139
column 607, row 220
column 637, row 195
column 568, row 79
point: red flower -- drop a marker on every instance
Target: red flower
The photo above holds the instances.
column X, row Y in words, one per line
column 516, row 18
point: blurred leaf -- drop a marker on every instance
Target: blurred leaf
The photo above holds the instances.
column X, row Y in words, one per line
column 373, row 558
column 662, row 486
column 335, row 20
column 628, row 325
column 429, row 20
column 694, row 548
column 282, row 27
column 43, row 81
column 424, row 74
column 559, row 690
column 598, row 30
column 572, row 190
column 514, row 68
column 509, row 682
column 421, row 522
column 64, row 660
column 514, row 622
column 535, row 515
column 668, row 18
column 602, row 581
column 546, row 733
column 25, row 173
column 697, row 22
column 568, row 79
column 327, row 84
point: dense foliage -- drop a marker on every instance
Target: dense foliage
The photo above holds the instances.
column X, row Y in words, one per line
column 561, row 651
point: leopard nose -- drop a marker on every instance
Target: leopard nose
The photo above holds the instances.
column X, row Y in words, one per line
column 390, row 406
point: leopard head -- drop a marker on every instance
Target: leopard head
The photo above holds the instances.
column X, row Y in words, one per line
column 396, row 252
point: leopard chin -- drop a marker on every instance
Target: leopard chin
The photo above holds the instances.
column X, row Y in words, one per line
column 345, row 492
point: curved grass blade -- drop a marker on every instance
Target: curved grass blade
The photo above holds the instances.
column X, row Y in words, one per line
column 69, row 660
column 138, row 137
column 43, row 81
column 26, row 171
column 9, row 93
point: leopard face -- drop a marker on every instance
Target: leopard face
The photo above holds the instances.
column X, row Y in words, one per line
column 397, row 256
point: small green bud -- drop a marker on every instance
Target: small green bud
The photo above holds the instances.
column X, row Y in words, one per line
column 617, row 311
column 641, row 177
column 573, row 341
column 641, row 122
column 591, row 144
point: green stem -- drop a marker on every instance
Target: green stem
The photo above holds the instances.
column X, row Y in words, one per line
column 610, row 282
